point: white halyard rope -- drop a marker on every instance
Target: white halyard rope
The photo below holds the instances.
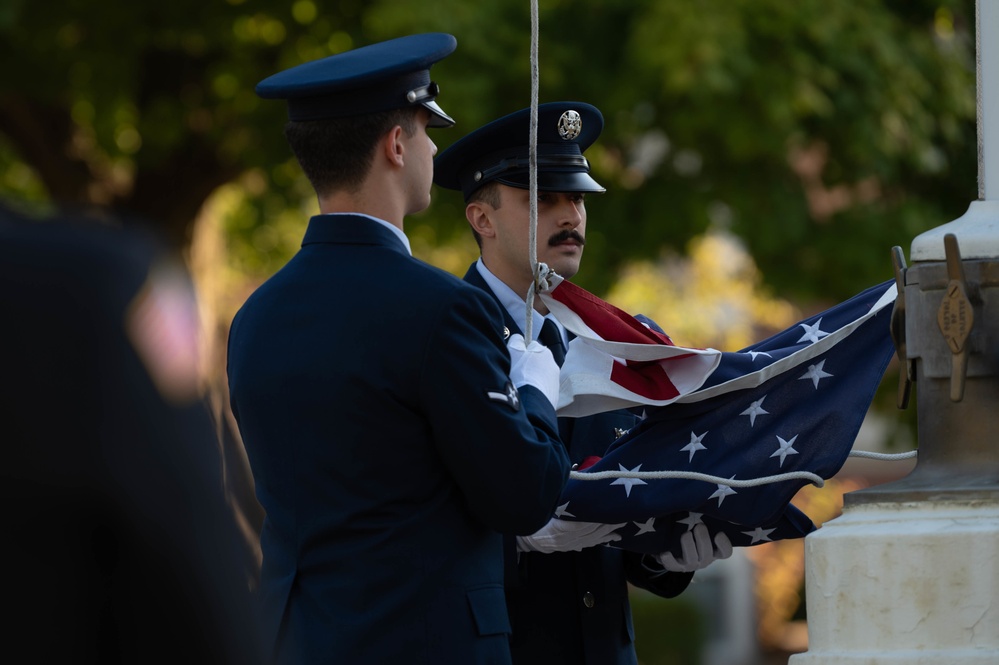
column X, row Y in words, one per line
column 693, row 475
column 732, row 482
column 532, row 242
column 883, row 456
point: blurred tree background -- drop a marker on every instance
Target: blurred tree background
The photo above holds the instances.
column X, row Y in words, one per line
column 819, row 133
column 761, row 156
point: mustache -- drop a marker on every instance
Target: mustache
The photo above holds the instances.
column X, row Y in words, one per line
column 564, row 235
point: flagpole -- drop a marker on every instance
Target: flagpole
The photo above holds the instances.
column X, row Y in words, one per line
column 910, row 572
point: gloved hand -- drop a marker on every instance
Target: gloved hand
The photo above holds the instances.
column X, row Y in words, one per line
column 565, row 536
column 697, row 551
column 533, row 365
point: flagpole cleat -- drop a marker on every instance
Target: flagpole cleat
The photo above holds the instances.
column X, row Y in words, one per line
column 956, row 317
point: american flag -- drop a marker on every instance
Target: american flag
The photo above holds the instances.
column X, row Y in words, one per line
column 791, row 404
column 615, row 361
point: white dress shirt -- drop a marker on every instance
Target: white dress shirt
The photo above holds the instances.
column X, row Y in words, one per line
column 516, row 305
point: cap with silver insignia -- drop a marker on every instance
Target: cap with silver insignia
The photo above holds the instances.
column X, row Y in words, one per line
column 379, row 77
column 499, row 151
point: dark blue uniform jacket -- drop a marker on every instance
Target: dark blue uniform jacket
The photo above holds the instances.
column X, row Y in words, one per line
column 369, row 388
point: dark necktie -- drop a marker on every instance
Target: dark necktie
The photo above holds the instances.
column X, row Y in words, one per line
column 552, row 338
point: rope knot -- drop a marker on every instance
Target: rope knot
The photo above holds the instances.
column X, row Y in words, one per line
column 544, row 278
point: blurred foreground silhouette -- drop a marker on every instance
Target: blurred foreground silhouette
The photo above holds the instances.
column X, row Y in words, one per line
column 118, row 543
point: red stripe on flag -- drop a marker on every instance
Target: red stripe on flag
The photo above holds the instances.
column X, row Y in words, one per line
column 606, row 320
column 646, row 379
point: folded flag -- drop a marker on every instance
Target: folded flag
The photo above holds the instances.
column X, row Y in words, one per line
column 615, row 361
column 783, row 410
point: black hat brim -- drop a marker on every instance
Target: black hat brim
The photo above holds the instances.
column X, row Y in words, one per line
column 553, row 181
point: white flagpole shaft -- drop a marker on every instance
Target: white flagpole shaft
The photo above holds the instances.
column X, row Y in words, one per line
column 977, row 231
column 987, row 37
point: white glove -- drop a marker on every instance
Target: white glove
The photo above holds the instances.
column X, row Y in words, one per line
column 697, row 551
column 533, row 365
column 565, row 536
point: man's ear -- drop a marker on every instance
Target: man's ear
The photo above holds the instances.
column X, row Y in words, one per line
column 392, row 146
column 479, row 216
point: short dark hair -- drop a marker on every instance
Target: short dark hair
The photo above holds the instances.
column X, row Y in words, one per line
column 337, row 153
column 488, row 193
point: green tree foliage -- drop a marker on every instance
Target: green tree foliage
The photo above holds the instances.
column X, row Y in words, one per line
column 147, row 108
column 822, row 132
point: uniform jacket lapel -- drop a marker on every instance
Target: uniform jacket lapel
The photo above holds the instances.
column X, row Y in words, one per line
column 475, row 278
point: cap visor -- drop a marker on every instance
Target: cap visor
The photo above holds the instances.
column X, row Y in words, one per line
column 437, row 116
column 549, row 181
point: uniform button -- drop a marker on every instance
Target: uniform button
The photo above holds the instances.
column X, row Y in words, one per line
column 589, row 600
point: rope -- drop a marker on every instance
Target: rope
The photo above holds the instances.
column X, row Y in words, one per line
column 883, row 456
column 731, row 482
column 533, row 165
column 693, row 475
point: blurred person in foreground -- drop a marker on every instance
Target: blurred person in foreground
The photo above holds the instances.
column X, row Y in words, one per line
column 390, row 433
column 567, row 591
column 119, row 544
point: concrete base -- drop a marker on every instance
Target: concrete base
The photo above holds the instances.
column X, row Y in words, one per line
column 914, row 583
column 948, row 657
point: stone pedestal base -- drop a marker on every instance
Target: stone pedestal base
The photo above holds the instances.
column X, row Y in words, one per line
column 914, row 583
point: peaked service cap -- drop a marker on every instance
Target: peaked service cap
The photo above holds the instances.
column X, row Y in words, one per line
column 379, row 77
column 499, row 151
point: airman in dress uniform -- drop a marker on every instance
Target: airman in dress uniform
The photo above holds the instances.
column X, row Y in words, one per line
column 391, row 433
column 567, row 591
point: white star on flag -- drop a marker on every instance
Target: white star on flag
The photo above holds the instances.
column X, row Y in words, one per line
column 562, row 512
column 815, row 373
column 753, row 354
column 722, row 492
column 812, row 333
column 759, row 535
column 629, row 482
column 648, row 526
column 694, row 445
column 784, row 449
column 691, row 520
column 755, row 409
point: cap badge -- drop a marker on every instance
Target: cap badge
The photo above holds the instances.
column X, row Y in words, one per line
column 570, row 125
